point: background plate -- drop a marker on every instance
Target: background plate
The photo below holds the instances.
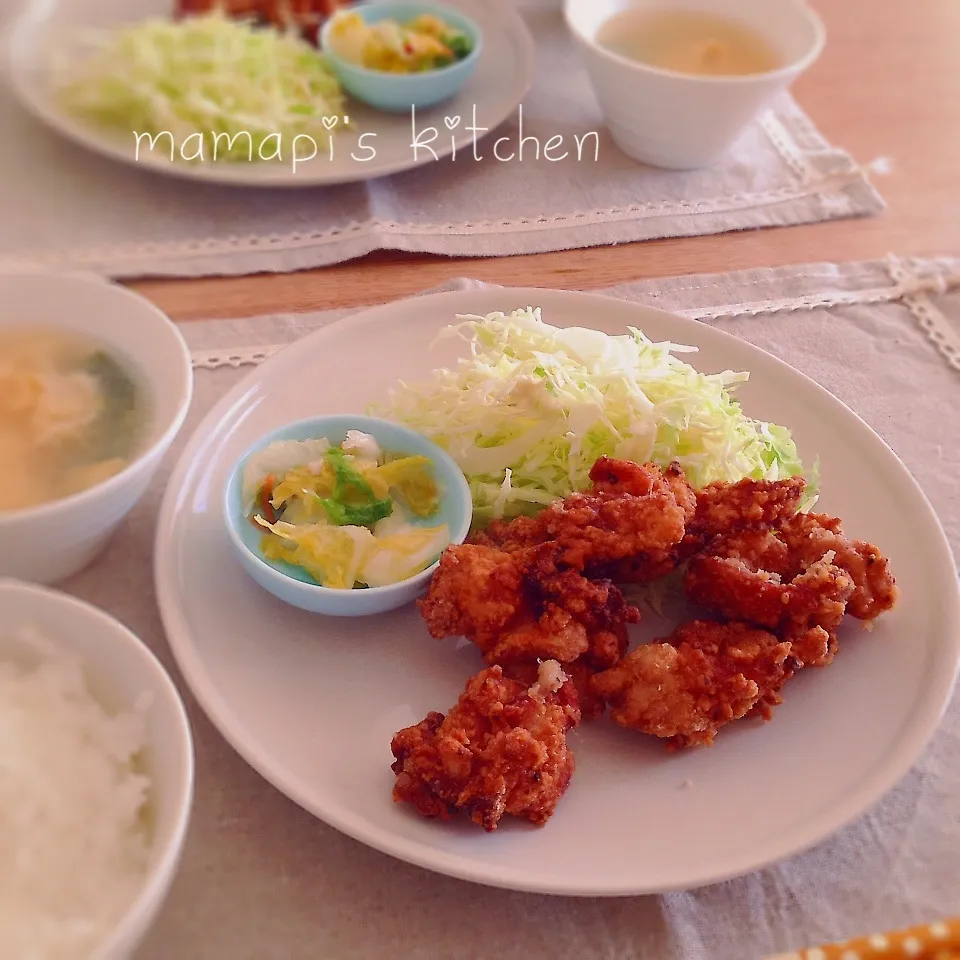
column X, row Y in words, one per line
column 502, row 78
column 312, row 703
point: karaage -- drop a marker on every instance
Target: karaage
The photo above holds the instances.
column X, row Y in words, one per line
column 306, row 16
column 705, row 675
column 632, row 510
column 501, row 750
column 580, row 673
column 810, row 536
column 719, row 509
column 806, row 610
column 525, row 606
column 544, row 588
column 725, row 508
column 797, row 580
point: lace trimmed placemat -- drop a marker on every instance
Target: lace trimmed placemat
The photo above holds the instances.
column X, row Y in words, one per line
column 916, row 285
column 66, row 207
column 262, row 879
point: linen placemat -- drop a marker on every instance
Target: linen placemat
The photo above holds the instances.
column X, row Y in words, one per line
column 263, row 880
column 64, row 206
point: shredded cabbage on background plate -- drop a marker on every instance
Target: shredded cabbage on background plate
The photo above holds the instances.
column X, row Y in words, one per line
column 202, row 77
column 533, row 407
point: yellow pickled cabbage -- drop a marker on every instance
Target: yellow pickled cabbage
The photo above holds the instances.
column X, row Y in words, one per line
column 399, row 556
column 345, row 519
column 333, row 556
column 341, row 557
column 411, row 478
column 303, row 480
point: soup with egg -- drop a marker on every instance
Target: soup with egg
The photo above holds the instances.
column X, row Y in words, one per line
column 685, row 41
column 71, row 414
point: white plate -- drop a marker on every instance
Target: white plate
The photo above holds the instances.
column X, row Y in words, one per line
column 502, row 79
column 312, row 703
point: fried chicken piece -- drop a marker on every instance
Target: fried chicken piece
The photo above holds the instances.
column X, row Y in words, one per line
column 620, row 476
column 702, row 677
column 606, row 527
column 798, row 581
column 501, row 750
column 476, row 591
column 718, row 509
column 725, row 508
column 640, row 480
column 763, row 586
column 633, row 509
column 526, row 606
column 580, row 673
column 809, row 536
column 306, row 16
column 815, row 609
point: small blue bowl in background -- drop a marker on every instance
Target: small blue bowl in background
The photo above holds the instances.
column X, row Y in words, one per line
column 400, row 92
column 295, row 586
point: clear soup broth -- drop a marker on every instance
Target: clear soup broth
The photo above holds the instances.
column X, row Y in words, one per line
column 72, row 414
column 686, row 41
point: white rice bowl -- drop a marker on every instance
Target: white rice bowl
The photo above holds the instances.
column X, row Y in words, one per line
column 96, row 771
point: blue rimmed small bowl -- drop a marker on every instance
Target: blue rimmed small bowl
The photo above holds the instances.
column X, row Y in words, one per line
column 401, row 92
column 296, row 586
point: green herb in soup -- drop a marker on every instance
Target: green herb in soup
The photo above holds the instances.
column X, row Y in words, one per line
column 71, row 415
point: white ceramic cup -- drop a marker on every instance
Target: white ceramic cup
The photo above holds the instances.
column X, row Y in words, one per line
column 52, row 541
column 685, row 121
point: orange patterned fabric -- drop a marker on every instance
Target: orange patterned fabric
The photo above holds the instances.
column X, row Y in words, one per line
column 937, row 941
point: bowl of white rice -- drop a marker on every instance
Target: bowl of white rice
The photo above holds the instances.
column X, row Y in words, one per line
column 96, row 780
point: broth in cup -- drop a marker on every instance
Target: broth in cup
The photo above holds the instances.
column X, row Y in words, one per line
column 71, row 414
column 688, row 41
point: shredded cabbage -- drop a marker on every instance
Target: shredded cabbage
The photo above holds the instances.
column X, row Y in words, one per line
column 209, row 77
column 532, row 408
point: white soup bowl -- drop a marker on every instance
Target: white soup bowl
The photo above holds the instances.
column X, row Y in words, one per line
column 51, row 541
column 686, row 121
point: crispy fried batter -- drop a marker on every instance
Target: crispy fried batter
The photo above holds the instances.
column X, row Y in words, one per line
column 725, row 508
column 542, row 588
column 633, row 509
column 623, row 476
column 810, row 536
column 798, row 580
column 580, row 672
column 605, row 527
column 304, row 15
column 642, row 568
column 475, row 592
column 702, row 677
column 525, row 606
column 806, row 610
column 718, row 509
column 501, row 750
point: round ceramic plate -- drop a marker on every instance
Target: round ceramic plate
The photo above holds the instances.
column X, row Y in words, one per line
column 312, row 703
column 492, row 95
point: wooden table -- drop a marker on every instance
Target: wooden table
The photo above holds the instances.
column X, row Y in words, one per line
column 887, row 85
